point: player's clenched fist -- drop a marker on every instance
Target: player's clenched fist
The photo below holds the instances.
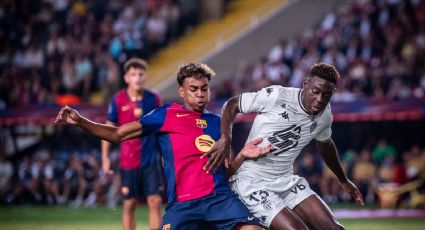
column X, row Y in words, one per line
column 68, row 115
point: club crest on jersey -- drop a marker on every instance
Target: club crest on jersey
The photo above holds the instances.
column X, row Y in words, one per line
column 166, row 227
column 313, row 126
column 125, row 190
column 201, row 123
column 204, row 143
column 138, row 112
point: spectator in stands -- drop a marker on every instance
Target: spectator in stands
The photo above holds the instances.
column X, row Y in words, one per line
column 364, row 174
column 6, row 173
column 381, row 151
column 28, row 173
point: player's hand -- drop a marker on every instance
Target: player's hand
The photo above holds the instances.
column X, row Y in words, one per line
column 354, row 192
column 68, row 115
column 219, row 152
column 252, row 151
column 106, row 166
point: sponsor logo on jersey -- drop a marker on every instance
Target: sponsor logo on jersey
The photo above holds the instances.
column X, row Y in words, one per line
column 125, row 108
column 285, row 140
column 138, row 112
column 201, row 123
column 181, row 114
column 204, row 143
column 269, row 91
column 166, row 227
column 284, row 115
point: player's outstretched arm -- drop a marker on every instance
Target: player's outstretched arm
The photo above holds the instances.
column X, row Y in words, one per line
column 249, row 151
column 221, row 150
column 110, row 133
column 330, row 155
column 105, row 147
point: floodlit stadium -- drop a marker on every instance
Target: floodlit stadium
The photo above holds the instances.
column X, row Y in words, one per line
column 85, row 53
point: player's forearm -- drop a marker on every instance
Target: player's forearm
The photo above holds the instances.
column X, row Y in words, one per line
column 234, row 166
column 229, row 112
column 105, row 132
column 330, row 155
column 106, row 145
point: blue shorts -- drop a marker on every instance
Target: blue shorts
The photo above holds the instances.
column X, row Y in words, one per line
column 141, row 182
column 223, row 211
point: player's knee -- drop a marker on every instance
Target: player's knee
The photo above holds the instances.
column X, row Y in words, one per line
column 129, row 205
column 249, row 227
column 154, row 201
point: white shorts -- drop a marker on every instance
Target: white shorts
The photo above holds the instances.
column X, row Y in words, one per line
column 266, row 199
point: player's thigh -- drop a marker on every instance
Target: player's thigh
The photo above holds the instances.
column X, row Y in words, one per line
column 183, row 215
column 130, row 183
column 286, row 219
column 226, row 211
column 316, row 214
column 152, row 179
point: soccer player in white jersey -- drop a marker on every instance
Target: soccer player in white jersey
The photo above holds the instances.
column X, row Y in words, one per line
column 288, row 119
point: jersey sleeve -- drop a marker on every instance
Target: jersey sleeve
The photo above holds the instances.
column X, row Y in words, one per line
column 326, row 133
column 112, row 111
column 153, row 121
column 260, row 101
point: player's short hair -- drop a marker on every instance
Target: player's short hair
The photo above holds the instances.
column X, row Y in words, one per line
column 137, row 63
column 197, row 70
column 325, row 71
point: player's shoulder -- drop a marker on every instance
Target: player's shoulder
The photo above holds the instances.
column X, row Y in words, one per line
column 120, row 96
column 149, row 93
column 278, row 89
column 212, row 115
column 327, row 114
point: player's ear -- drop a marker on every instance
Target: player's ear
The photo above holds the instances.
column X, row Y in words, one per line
column 126, row 78
column 181, row 91
column 306, row 82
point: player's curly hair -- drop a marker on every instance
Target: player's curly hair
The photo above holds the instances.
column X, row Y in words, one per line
column 198, row 70
column 325, row 71
column 137, row 63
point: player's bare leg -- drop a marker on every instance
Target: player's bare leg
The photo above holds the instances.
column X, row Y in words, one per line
column 250, row 227
column 286, row 219
column 316, row 214
column 128, row 214
column 154, row 205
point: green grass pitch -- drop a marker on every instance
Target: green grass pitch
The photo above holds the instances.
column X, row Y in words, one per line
column 64, row 218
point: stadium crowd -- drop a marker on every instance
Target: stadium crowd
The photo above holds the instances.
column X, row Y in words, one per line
column 58, row 47
column 377, row 46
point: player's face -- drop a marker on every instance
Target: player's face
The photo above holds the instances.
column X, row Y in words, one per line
column 317, row 94
column 135, row 78
column 195, row 93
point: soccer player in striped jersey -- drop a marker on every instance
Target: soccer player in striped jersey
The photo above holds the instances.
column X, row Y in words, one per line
column 196, row 198
column 140, row 160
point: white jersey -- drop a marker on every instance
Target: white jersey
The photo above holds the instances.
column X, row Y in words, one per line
column 283, row 122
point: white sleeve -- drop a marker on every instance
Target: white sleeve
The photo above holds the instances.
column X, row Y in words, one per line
column 326, row 133
column 260, row 101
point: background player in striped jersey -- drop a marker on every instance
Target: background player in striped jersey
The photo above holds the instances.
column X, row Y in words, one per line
column 288, row 119
column 140, row 166
column 196, row 199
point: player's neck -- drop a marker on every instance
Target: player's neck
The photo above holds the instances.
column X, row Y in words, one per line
column 135, row 95
column 190, row 108
column 304, row 101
